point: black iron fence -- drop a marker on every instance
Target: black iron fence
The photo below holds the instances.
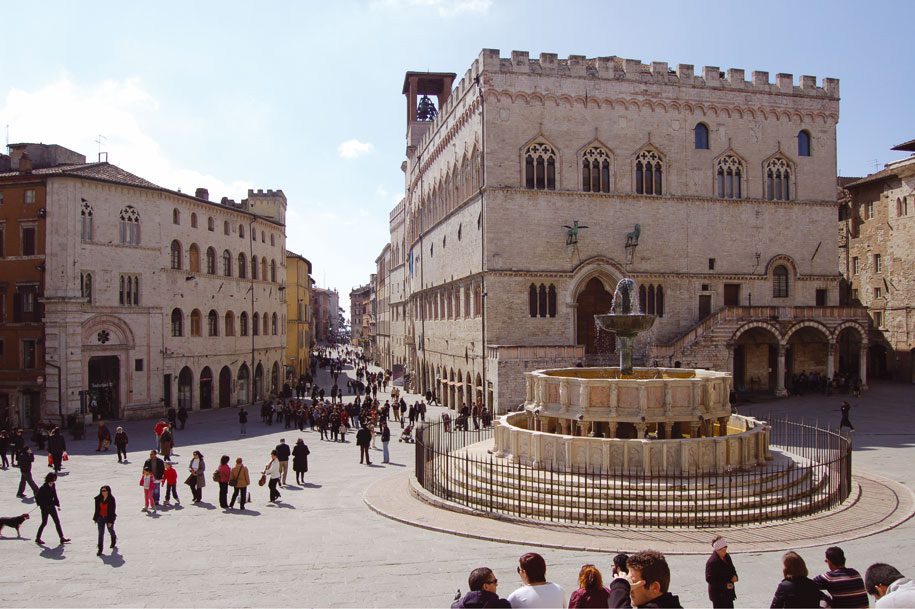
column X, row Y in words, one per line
column 812, row 473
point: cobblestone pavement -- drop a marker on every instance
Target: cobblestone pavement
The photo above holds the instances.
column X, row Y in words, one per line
column 323, row 546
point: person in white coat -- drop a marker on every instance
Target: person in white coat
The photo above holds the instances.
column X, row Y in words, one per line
column 272, row 471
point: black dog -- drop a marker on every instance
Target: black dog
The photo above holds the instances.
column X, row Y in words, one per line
column 14, row 523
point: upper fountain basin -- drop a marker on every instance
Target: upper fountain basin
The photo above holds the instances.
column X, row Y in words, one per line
column 625, row 325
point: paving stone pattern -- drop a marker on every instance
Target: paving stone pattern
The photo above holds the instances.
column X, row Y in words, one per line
column 323, row 546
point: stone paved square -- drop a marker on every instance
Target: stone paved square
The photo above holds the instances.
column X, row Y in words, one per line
column 322, row 546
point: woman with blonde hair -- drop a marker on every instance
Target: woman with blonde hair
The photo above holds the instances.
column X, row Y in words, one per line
column 591, row 591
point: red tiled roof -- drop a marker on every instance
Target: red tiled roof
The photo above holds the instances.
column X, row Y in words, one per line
column 104, row 172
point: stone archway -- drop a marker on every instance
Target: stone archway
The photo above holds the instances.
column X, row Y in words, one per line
column 807, row 353
column 756, row 352
column 594, row 299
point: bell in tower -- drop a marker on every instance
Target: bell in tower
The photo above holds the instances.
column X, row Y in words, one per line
column 425, row 111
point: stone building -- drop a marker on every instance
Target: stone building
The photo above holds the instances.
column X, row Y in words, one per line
column 381, row 291
column 877, row 258
column 326, row 315
column 154, row 297
column 300, row 332
column 534, row 185
column 360, row 310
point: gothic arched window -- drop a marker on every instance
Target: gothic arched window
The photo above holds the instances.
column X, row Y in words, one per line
column 648, row 173
column 243, row 324
column 701, row 136
column 227, row 263
column 803, row 143
column 540, row 167
column 595, row 170
column 86, row 221
column 728, row 178
column 242, row 266
column 130, row 226
column 778, row 180
column 780, row 282
column 211, row 261
column 177, row 323
column 212, row 323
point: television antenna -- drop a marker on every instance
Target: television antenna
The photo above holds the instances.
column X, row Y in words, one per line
column 100, row 153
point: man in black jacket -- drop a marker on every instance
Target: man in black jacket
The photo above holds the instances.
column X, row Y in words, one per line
column 47, row 500
column 282, row 455
column 363, row 439
column 483, row 583
column 25, row 472
column 157, row 467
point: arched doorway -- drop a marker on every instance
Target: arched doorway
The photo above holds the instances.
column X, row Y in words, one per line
column 275, row 378
column 186, row 388
column 259, row 382
column 478, row 388
column 206, row 388
column 241, row 385
column 593, row 300
column 805, row 359
column 756, row 361
column 225, row 387
column 849, row 345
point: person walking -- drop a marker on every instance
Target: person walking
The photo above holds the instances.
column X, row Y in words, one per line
column 182, row 415
column 243, row 421
column 104, row 437
column 846, row 422
column 104, row 517
column 282, row 455
column 591, row 591
column 57, row 446
column 272, row 471
column 47, row 500
column 120, row 442
column 796, row 589
column 170, row 480
column 197, row 479
column 157, row 467
column 300, row 454
column 843, row 584
column 385, row 440
column 167, row 442
column 25, row 460
column 148, row 482
column 721, row 575
column 221, row 476
column 363, row 439
column 240, row 479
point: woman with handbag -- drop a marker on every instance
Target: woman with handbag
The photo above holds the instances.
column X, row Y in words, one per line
column 239, row 478
column 272, row 471
column 222, row 475
column 197, row 480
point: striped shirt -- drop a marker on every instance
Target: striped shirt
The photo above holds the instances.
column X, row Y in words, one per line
column 845, row 586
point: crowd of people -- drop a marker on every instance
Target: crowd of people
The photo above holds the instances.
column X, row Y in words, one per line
column 643, row 580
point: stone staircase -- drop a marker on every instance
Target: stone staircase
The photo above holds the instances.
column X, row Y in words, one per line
column 473, row 478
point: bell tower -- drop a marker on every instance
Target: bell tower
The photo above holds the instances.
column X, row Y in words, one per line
column 421, row 108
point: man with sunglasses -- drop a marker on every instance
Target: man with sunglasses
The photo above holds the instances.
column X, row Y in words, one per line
column 482, row 593
column 889, row 586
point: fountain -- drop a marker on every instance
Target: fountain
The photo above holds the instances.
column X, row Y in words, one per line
column 625, row 321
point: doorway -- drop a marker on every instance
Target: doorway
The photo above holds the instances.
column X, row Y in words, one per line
column 593, row 300
column 732, row 294
column 206, row 388
column 225, row 387
column 705, row 306
column 185, row 388
column 104, row 384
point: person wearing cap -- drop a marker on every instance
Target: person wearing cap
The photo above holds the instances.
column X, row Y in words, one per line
column 845, row 585
column 720, row 575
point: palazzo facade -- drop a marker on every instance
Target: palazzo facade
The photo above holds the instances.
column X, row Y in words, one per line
column 534, row 185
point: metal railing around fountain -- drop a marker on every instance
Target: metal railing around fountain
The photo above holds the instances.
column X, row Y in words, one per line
column 812, row 475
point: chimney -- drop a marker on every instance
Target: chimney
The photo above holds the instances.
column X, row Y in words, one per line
column 202, row 193
column 25, row 163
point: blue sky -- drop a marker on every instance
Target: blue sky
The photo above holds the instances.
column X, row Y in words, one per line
column 306, row 96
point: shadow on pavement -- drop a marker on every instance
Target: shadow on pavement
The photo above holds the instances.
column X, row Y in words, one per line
column 114, row 560
column 53, row 553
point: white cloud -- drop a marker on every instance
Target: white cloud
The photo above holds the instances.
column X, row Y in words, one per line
column 382, row 192
column 353, row 149
column 444, row 8
column 74, row 115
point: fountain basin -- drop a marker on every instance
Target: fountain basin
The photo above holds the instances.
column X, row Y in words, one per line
column 625, row 325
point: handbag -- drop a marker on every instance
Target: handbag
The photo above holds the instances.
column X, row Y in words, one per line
column 192, row 479
column 215, row 475
column 263, row 480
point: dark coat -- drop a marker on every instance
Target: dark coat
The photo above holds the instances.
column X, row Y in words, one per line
column 718, row 574
column 480, row 598
column 25, row 460
column 112, row 509
column 797, row 592
column 282, row 452
column 619, row 593
column 665, row 600
column 157, row 467
column 300, row 458
column 56, row 444
column 242, row 416
column 46, row 498
column 120, row 438
column 363, row 437
column 385, row 434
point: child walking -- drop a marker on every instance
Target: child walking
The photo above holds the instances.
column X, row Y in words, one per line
column 148, row 483
column 171, row 483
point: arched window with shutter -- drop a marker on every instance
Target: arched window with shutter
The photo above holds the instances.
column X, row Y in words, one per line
column 780, row 282
column 227, row 263
column 177, row 323
column 176, row 254
column 211, row 261
column 803, row 143
column 701, row 136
